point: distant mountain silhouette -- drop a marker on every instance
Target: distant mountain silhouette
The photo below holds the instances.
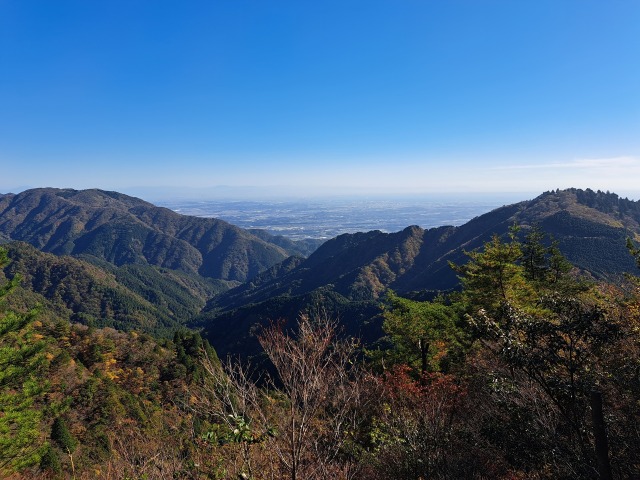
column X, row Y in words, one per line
column 356, row 269
column 126, row 230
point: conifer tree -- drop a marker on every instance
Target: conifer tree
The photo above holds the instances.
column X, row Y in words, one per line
column 635, row 251
column 21, row 360
column 551, row 328
column 417, row 327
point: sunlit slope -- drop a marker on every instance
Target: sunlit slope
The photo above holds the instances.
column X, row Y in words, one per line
column 351, row 272
column 126, row 230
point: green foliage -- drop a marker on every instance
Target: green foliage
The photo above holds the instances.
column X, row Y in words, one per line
column 495, row 276
column 237, row 430
column 190, row 348
column 546, row 325
column 422, row 333
column 21, row 387
column 62, row 436
column 50, row 461
column 97, row 294
column 634, row 251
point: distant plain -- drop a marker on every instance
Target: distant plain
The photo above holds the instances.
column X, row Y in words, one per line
column 325, row 218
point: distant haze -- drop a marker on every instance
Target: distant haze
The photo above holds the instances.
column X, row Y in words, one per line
column 324, row 218
column 171, row 194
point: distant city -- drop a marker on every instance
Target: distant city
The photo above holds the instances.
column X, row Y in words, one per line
column 327, row 218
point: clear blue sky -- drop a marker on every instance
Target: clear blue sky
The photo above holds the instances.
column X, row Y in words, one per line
column 324, row 96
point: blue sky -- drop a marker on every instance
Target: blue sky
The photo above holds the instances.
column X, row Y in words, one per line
column 311, row 97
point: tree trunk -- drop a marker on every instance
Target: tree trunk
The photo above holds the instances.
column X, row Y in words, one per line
column 600, row 435
column 424, row 351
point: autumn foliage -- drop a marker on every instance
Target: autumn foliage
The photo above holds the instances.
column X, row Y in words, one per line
column 529, row 372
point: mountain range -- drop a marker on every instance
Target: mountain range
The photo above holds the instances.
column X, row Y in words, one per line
column 349, row 273
column 116, row 260
column 126, row 230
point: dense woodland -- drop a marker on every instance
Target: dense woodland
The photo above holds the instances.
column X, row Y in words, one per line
column 529, row 371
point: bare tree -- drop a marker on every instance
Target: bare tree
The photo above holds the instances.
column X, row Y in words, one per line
column 230, row 396
column 306, row 415
column 322, row 391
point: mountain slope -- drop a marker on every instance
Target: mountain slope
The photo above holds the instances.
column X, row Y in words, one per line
column 139, row 297
column 126, row 230
column 591, row 228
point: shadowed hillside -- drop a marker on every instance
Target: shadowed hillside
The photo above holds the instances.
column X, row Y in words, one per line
column 590, row 227
column 140, row 297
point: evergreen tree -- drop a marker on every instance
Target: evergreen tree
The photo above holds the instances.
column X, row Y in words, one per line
column 556, row 337
column 635, row 251
column 494, row 277
column 21, row 387
column 62, row 436
column 534, row 254
column 420, row 330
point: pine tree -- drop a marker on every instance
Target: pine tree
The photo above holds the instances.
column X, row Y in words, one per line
column 534, row 254
column 550, row 329
column 21, row 386
column 419, row 329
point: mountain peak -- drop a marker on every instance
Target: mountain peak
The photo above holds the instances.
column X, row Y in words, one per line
column 121, row 230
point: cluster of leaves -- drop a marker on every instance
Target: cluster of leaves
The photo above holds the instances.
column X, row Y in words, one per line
column 22, row 362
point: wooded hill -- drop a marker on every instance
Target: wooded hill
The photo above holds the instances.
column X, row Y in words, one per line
column 125, row 230
column 137, row 297
column 137, row 266
column 529, row 371
column 347, row 275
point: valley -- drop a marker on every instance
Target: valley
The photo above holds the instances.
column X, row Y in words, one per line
column 144, row 318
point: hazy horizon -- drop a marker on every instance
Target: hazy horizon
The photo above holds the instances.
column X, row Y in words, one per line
column 164, row 194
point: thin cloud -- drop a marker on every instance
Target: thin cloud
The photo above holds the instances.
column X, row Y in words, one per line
column 614, row 163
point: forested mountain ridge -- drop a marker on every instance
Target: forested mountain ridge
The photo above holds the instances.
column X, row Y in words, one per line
column 363, row 265
column 517, row 375
column 133, row 240
column 590, row 227
column 131, row 297
column 125, row 230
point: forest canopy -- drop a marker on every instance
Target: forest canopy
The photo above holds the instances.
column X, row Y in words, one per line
column 528, row 372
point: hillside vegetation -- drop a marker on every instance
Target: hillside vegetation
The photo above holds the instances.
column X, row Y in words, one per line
column 351, row 272
column 131, row 297
column 529, row 371
column 124, row 230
